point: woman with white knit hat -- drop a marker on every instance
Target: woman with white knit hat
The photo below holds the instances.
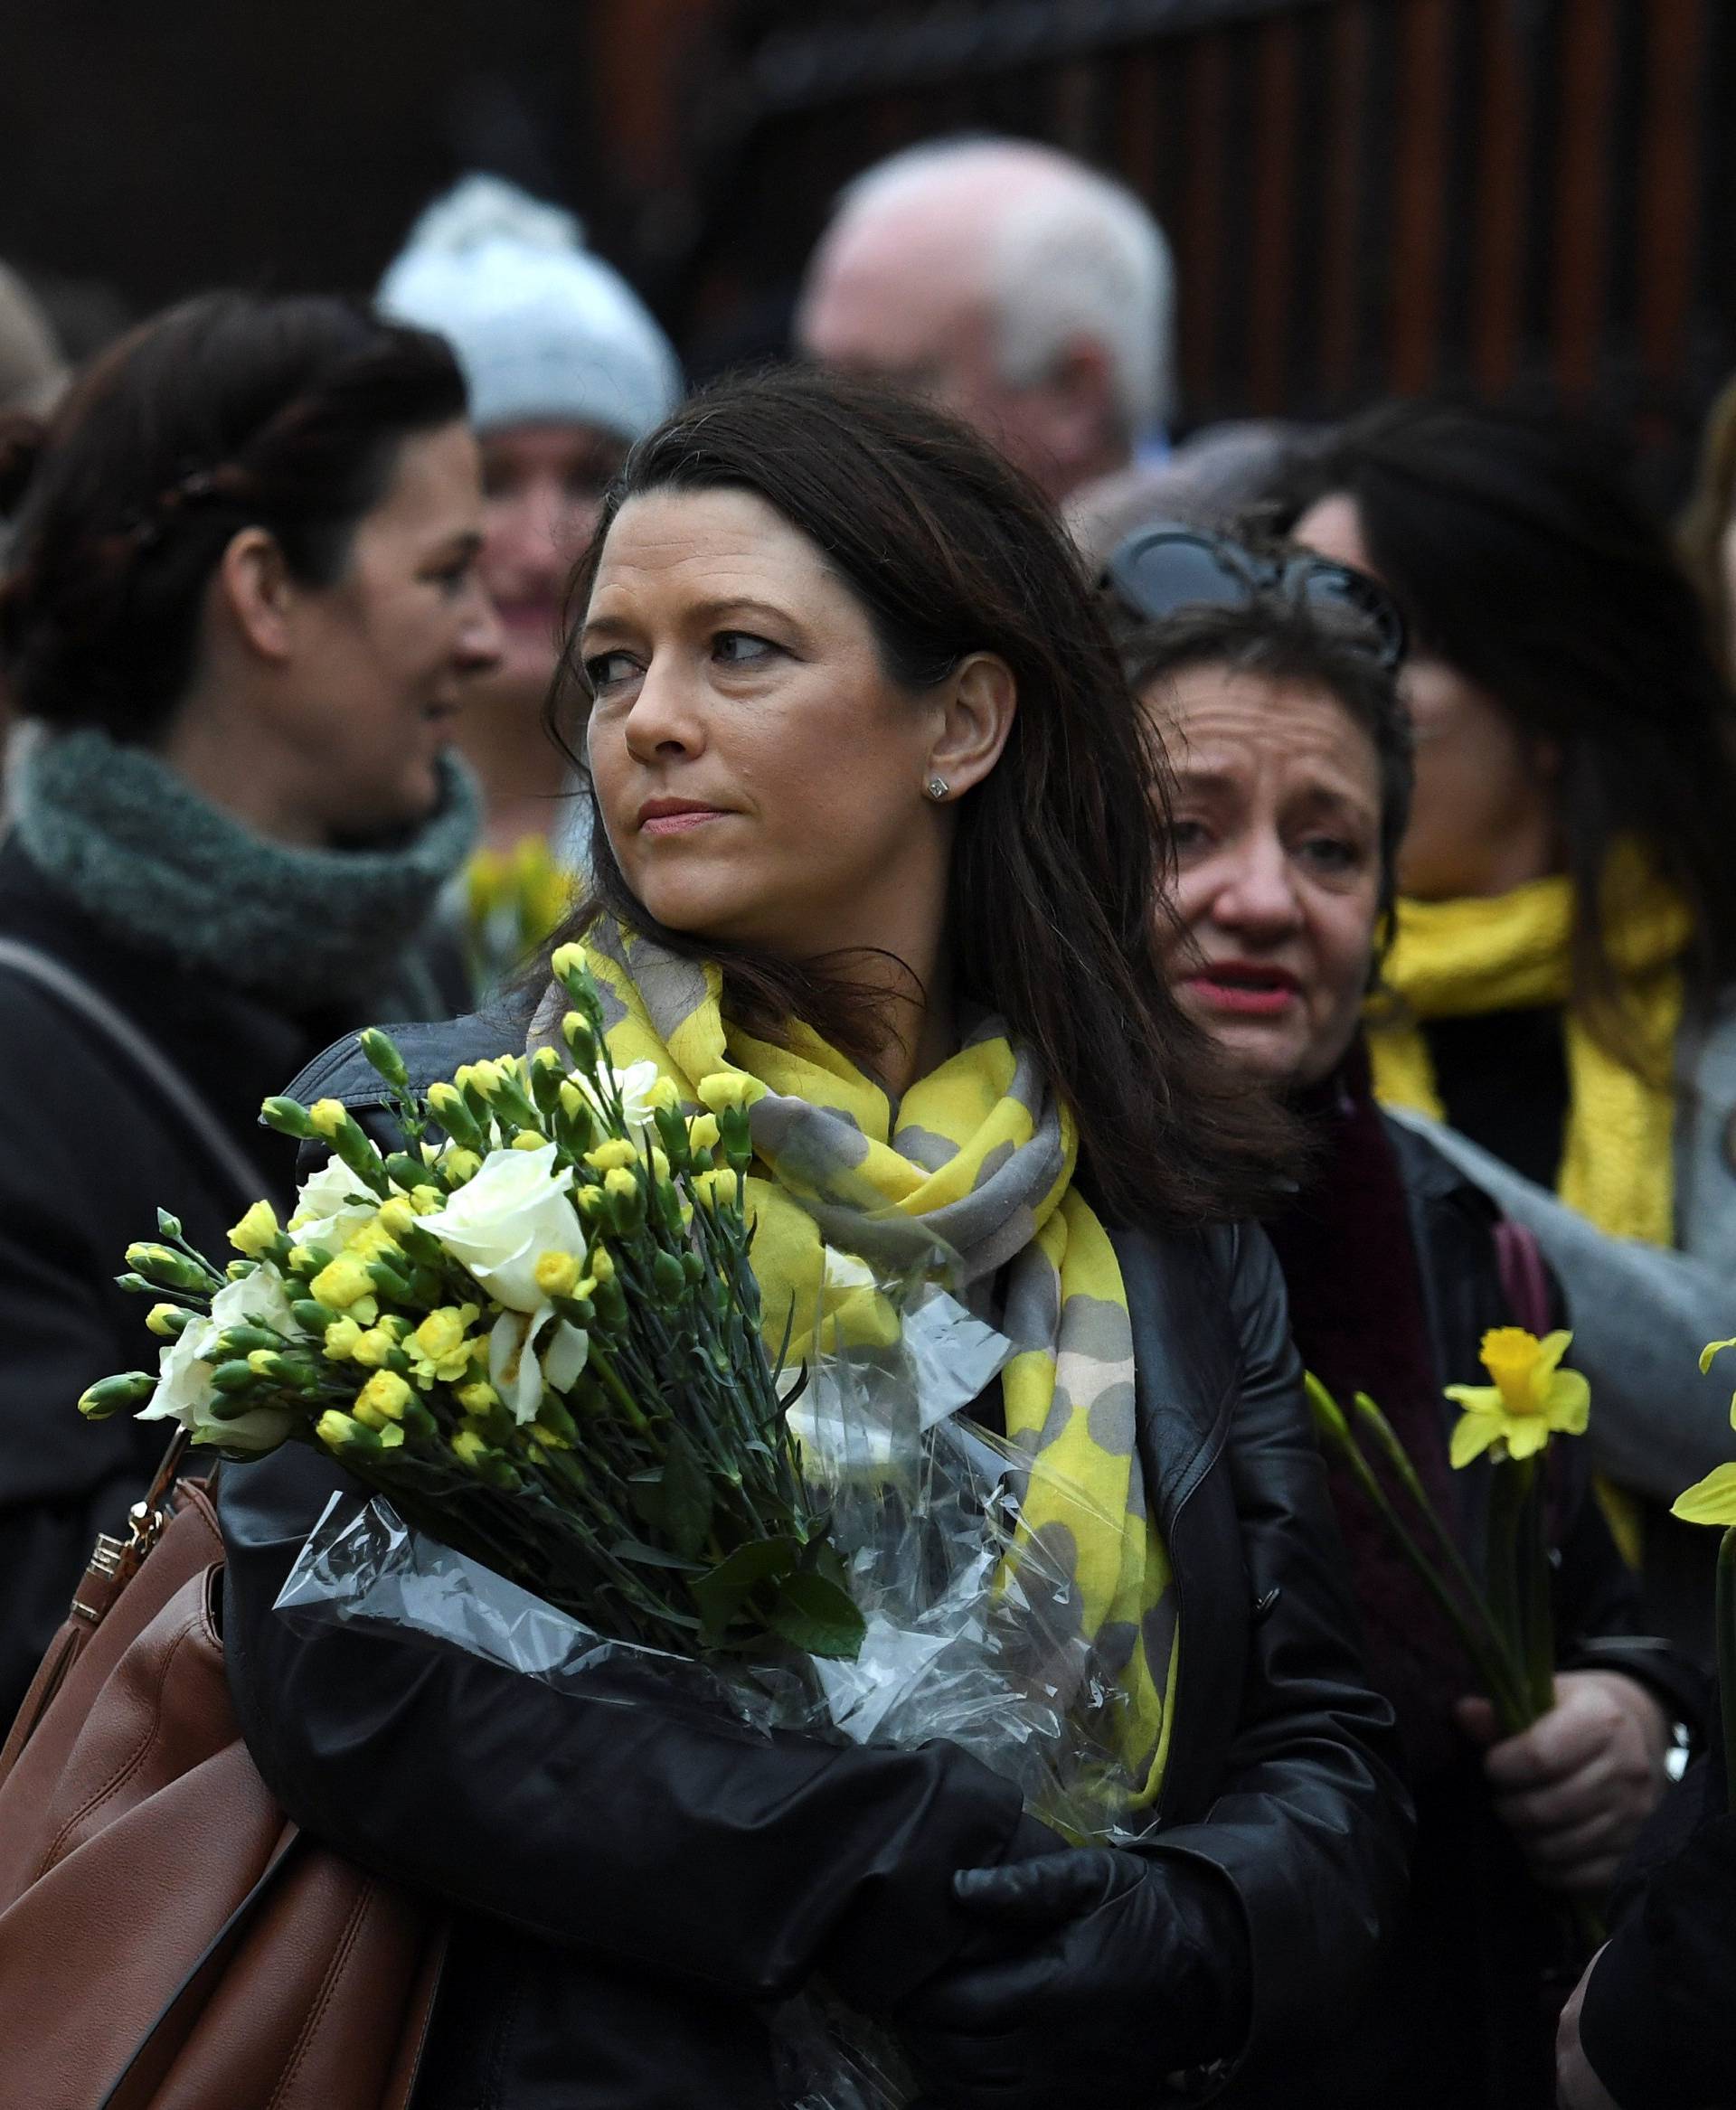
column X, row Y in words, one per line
column 566, row 368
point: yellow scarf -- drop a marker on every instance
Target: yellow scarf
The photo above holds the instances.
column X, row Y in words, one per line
column 979, row 1156
column 1462, row 958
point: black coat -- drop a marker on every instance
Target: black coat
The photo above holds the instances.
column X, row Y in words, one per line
column 1658, row 2022
column 1461, row 2014
column 634, row 1887
column 88, row 1151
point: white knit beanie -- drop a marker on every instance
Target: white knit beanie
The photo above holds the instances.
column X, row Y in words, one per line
column 545, row 332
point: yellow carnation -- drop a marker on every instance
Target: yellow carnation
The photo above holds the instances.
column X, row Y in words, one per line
column 256, row 1233
column 726, row 1091
column 386, row 1394
column 613, row 1155
column 557, row 1274
column 344, row 1282
column 328, row 1116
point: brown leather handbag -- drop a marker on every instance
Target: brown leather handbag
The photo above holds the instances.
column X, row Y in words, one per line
column 169, row 1939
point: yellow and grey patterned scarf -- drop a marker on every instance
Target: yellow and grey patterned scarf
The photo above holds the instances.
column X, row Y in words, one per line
column 978, row 1158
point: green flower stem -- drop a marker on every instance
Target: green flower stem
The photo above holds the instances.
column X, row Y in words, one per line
column 1726, row 1614
column 1534, row 1576
column 1493, row 1663
column 1400, row 1460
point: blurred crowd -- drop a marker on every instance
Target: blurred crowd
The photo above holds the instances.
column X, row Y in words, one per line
column 295, row 741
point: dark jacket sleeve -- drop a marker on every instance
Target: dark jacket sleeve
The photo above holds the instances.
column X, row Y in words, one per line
column 622, row 1821
column 1310, row 1822
column 1658, row 2023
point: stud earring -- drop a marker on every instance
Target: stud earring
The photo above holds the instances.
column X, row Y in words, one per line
column 937, row 788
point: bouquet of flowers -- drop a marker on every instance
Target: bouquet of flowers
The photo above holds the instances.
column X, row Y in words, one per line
column 1503, row 1617
column 534, row 1332
column 536, row 1329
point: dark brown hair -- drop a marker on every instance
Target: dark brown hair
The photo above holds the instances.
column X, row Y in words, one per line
column 1519, row 553
column 226, row 412
column 1056, row 874
column 1281, row 638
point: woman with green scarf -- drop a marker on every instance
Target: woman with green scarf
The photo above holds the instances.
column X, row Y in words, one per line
column 1557, row 1000
column 239, row 615
column 873, row 833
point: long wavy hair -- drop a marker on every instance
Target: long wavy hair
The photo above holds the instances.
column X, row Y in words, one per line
column 1056, row 875
column 1518, row 553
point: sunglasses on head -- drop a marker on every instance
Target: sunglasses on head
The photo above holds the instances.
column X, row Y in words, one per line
column 1168, row 567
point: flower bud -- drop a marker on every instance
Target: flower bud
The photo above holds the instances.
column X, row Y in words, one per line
column 115, row 1395
column 703, row 1135
column 328, row 1116
column 289, row 1117
column 168, row 1322
column 382, row 1051
column 669, row 1277
column 165, row 1267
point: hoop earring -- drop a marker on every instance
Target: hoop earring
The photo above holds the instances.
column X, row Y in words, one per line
column 937, row 788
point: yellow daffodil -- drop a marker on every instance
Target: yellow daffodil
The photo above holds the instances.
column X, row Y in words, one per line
column 256, row 1233
column 1711, row 1500
column 1530, row 1401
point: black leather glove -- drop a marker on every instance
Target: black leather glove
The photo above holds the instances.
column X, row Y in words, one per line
column 1108, row 1970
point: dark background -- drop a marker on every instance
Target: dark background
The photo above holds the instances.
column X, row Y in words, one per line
column 1519, row 198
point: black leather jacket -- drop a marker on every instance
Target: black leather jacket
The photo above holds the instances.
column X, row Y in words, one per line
column 634, row 1885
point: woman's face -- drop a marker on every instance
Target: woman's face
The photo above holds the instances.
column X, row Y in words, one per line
column 543, row 486
column 376, row 666
column 759, row 776
column 1483, row 818
column 1277, row 842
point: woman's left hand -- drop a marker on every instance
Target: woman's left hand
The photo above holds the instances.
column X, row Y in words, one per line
column 1577, row 1786
column 1116, row 1968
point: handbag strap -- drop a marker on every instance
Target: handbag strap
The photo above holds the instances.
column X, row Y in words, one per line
column 118, row 2096
column 1525, row 1276
column 170, row 1083
column 293, row 1846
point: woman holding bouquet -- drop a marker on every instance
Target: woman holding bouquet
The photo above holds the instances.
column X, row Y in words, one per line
column 239, row 615
column 873, row 835
column 1269, row 674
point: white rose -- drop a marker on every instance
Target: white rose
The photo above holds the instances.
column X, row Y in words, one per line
column 499, row 1224
column 326, row 1212
column 183, row 1392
